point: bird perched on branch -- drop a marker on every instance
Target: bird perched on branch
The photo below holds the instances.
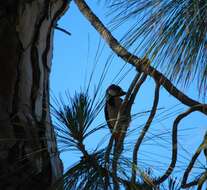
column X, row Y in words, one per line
column 112, row 106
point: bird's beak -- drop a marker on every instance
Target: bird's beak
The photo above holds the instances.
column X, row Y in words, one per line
column 122, row 93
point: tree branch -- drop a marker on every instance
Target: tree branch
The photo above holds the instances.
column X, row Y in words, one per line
column 174, row 141
column 124, row 118
column 140, row 64
column 132, row 85
column 62, row 30
column 144, row 131
column 106, row 158
column 184, row 183
column 202, row 180
column 136, row 89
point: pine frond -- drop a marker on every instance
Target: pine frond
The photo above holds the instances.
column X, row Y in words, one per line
column 73, row 120
column 171, row 33
column 88, row 173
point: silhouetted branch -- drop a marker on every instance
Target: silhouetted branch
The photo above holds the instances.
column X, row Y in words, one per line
column 144, row 131
column 136, row 89
column 124, row 118
column 106, row 158
column 110, row 145
column 174, row 141
column 63, row 30
column 130, row 90
column 202, row 180
column 184, row 183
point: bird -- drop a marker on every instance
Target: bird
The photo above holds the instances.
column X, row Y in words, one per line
column 112, row 106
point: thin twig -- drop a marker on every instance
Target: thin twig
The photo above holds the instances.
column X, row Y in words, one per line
column 62, row 30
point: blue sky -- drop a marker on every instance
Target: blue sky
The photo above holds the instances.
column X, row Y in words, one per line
column 73, row 60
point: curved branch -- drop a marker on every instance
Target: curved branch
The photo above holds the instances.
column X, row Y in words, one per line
column 136, row 89
column 132, row 85
column 202, row 180
column 62, row 30
column 174, row 141
column 144, row 131
column 184, row 183
column 124, row 118
column 140, row 64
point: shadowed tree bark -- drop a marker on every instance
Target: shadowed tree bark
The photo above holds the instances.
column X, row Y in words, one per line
column 28, row 153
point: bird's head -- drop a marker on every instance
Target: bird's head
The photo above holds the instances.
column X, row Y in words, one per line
column 114, row 91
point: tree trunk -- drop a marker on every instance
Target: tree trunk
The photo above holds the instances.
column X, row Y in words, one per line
column 28, row 153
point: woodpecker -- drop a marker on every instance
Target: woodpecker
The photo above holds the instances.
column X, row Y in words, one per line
column 112, row 106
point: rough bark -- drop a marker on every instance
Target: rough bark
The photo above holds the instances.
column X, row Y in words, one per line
column 28, row 154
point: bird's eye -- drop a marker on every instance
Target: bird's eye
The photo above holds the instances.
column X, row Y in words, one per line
column 111, row 92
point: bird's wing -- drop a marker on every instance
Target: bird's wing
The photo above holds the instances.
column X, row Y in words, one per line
column 107, row 118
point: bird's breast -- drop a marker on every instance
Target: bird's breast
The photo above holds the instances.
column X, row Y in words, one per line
column 112, row 112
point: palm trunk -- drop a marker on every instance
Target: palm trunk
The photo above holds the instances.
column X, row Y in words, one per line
column 28, row 153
